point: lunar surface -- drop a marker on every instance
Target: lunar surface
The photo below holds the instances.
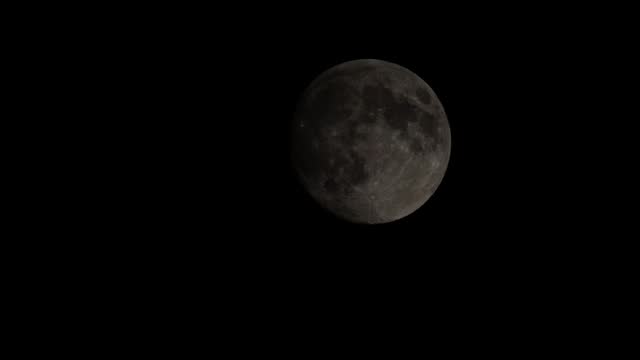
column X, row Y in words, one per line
column 371, row 141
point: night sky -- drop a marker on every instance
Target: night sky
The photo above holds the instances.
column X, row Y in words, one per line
column 213, row 189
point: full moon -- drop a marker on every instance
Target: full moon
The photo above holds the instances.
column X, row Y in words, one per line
column 370, row 141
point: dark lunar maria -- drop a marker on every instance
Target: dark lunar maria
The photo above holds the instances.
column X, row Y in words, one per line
column 371, row 141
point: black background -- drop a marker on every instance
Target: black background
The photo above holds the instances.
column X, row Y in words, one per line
column 203, row 199
column 208, row 115
column 173, row 206
column 211, row 121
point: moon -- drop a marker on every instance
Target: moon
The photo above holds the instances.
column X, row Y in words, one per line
column 370, row 141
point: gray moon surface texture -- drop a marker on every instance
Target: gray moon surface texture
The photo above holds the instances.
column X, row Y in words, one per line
column 371, row 141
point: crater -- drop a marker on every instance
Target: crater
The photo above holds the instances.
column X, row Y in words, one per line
column 331, row 186
column 423, row 95
column 376, row 96
column 332, row 104
column 357, row 173
column 346, row 171
column 416, row 146
column 367, row 117
column 349, row 137
column 399, row 114
column 428, row 123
